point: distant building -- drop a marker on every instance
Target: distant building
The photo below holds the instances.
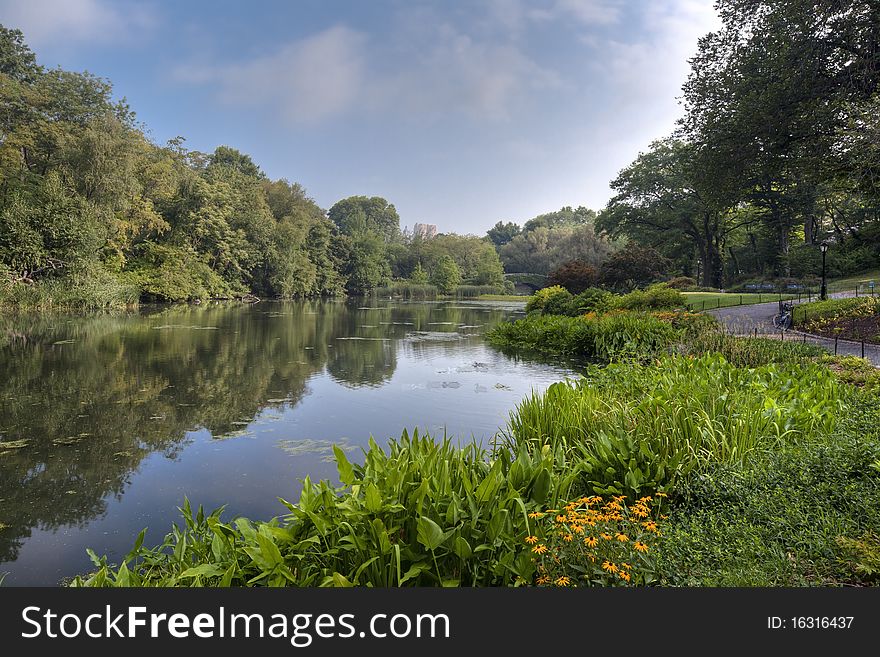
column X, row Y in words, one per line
column 425, row 231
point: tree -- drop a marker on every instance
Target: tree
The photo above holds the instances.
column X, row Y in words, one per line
column 501, row 233
column 575, row 276
column 562, row 217
column 542, row 249
column 661, row 201
column 631, row 267
column 446, row 275
column 356, row 214
column 419, row 275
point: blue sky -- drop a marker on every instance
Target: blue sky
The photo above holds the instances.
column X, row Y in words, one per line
column 460, row 113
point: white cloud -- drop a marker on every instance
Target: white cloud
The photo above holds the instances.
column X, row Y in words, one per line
column 591, row 12
column 306, row 80
column 425, row 74
column 458, row 74
column 97, row 21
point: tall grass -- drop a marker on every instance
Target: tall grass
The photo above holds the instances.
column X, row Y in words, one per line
column 611, row 337
column 750, row 352
column 407, row 290
column 634, row 429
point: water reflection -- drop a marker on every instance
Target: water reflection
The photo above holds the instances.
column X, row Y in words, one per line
column 85, row 402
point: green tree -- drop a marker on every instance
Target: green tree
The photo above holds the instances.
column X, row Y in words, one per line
column 357, row 214
column 419, row 275
column 446, row 275
column 501, row 233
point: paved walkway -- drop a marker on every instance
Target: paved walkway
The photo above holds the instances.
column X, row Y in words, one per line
column 743, row 320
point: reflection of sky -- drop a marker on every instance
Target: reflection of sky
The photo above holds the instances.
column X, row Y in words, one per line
column 434, row 381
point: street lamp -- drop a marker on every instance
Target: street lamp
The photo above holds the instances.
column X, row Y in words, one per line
column 823, row 293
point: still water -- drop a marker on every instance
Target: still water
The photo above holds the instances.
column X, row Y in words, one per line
column 107, row 422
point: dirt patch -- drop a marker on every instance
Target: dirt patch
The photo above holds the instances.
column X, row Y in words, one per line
column 850, row 328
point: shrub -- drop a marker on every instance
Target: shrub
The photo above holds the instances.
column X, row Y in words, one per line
column 540, row 298
column 590, row 300
column 657, row 297
column 575, row 276
column 631, row 267
column 615, row 336
column 682, row 283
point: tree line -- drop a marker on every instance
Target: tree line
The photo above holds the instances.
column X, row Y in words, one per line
column 93, row 213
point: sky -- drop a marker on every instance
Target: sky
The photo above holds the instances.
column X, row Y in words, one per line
column 459, row 113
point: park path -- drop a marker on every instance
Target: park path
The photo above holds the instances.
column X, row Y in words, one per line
column 743, row 320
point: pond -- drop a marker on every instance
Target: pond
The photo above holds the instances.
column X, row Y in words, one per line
column 108, row 421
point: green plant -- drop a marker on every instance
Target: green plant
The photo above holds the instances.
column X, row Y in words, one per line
column 614, row 336
column 424, row 513
column 539, row 299
column 656, row 297
column 777, row 518
column 635, row 430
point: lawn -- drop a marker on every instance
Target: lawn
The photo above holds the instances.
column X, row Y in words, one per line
column 849, row 283
column 709, row 300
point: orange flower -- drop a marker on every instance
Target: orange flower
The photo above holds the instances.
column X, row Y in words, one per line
column 531, row 540
column 641, row 547
column 539, row 549
column 591, row 541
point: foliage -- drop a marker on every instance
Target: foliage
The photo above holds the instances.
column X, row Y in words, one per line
column 359, row 214
column 574, row 275
column 633, row 430
column 502, row 233
column 817, row 313
column 591, row 300
column 610, row 337
column 751, row 352
column 631, row 267
column 424, row 513
column 539, row 299
column 855, row 371
column 446, row 275
column 419, row 276
column 594, row 542
column 682, row 283
column 656, row 297
column 550, row 240
column 777, row 519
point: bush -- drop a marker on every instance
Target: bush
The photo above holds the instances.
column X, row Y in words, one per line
column 632, row 267
column 540, row 298
column 591, row 300
column 682, row 283
column 575, row 276
column 615, row 336
column 657, row 297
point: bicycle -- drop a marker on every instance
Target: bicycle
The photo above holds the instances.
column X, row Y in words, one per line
column 783, row 319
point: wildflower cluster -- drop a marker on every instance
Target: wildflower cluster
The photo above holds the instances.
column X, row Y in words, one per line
column 596, row 542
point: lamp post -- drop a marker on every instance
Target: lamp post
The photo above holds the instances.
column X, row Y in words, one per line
column 823, row 293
